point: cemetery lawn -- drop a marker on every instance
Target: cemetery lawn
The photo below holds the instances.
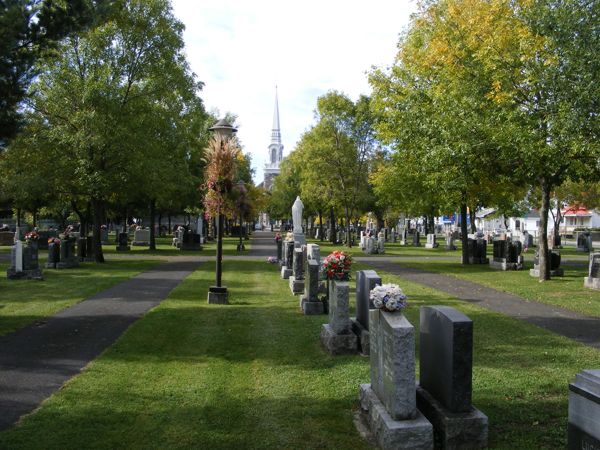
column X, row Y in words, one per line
column 567, row 291
column 252, row 375
column 23, row 302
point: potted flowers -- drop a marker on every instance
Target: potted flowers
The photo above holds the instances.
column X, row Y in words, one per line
column 337, row 266
column 31, row 238
column 388, row 297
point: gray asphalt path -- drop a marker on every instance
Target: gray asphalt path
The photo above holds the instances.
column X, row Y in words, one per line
column 263, row 244
column 581, row 328
column 37, row 360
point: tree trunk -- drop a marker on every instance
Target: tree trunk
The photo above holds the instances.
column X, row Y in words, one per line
column 34, row 217
column 332, row 221
column 472, row 214
column 463, row 231
column 98, row 210
column 125, row 223
column 321, row 226
column 543, row 238
column 432, row 224
column 18, row 217
column 169, row 223
column 348, row 237
column 159, row 225
column 152, row 225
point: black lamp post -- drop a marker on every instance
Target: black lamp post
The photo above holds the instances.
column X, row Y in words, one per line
column 218, row 293
column 242, row 192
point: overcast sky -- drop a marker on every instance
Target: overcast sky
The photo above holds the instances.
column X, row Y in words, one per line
column 242, row 49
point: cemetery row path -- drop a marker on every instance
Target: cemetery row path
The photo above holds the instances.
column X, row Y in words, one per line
column 583, row 329
column 37, row 360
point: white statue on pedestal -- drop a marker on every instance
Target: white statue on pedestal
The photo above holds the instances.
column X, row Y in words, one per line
column 297, row 208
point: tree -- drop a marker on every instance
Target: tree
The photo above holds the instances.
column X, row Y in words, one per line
column 28, row 29
column 98, row 98
column 339, row 145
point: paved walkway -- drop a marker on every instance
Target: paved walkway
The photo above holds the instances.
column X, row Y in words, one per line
column 583, row 329
column 37, row 360
column 263, row 244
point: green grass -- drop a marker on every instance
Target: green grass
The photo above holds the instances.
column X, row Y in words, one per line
column 23, row 302
column 252, row 375
column 567, row 292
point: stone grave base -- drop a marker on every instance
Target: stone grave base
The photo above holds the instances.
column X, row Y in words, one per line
column 535, row 272
column 296, row 286
column 591, row 283
column 390, row 434
column 285, row 272
column 190, row 247
column 50, row 265
column 402, row 243
column 31, row 274
column 436, row 245
column 453, row 430
column 338, row 344
column 311, row 308
column 473, row 260
column 140, row 243
column 363, row 336
column 67, row 264
column 123, row 248
column 503, row 265
column 218, row 295
column 416, row 245
column 584, row 250
column 450, row 247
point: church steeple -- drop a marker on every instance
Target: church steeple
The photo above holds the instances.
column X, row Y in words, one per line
column 275, row 131
column 275, row 155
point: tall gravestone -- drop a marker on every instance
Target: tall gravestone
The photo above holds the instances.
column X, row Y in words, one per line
column 68, row 256
column 416, row 239
column 141, row 237
column 477, row 251
column 365, row 281
column 337, row 336
column 584, row 242
column 279, row 244
column 450, row 241
column 592, row 281
column 445, row 388
column 123, row 242
column 388, row 403
column 296, row 280
column 288, row 256
column 53, row 255
column 309, row 302
column 583, row 432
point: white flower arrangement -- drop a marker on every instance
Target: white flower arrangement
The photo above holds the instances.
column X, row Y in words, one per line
column 388, row 297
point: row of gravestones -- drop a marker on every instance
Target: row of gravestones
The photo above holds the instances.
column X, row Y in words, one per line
column 400, row 412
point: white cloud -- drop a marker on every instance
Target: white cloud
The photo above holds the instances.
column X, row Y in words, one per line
column 242, row 49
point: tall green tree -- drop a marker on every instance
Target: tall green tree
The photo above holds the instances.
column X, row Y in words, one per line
column 28, row 29
column 106, row 101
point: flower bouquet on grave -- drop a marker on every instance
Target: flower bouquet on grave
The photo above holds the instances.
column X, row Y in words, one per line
column 54, row 240
column 32, row 238
column 388, row 297
column 337, row 266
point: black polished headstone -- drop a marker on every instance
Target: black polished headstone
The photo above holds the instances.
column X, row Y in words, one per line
column 446, row 356
column 594, row 268
column 279, row 249
column 365, row 281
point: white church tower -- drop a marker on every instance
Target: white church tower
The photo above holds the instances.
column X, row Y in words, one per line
column 275, row 155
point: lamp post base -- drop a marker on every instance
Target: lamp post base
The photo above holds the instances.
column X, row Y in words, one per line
column 218, row 295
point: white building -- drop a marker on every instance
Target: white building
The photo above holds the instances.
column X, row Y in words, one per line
column 275, row 155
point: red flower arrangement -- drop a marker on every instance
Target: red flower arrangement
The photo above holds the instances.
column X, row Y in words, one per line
column 337, row 266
